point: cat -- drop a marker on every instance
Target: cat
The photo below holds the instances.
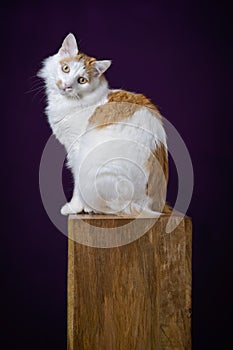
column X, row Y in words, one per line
column 115, row 140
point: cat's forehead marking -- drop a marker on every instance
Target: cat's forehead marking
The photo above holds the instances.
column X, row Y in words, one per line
column 88, row 63
column 68, row 59
column 78, row 58
column 82, row 58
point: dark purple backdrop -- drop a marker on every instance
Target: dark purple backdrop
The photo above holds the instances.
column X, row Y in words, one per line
column 179, row 54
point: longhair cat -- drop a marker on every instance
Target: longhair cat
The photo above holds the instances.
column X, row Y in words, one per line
column 115, row 139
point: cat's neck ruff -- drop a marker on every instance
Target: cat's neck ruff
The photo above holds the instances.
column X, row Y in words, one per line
column 94, row 97
column 68, row 117
column 60, row 106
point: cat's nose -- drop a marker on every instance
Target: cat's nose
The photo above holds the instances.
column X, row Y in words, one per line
column 67, row 87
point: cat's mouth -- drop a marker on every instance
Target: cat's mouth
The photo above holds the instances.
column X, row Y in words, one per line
column 69, row 92
column 65, row 90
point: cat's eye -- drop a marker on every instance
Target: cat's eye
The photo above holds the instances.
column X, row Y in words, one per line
column 65, row 68
column 82, row 80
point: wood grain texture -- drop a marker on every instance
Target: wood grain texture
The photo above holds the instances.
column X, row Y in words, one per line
column 135, row 296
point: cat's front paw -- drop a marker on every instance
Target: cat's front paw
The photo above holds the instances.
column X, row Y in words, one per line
column 87, row 210
column 71, row 208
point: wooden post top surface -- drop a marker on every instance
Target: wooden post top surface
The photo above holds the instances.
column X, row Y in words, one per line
column 108, row 231
column 82, row 216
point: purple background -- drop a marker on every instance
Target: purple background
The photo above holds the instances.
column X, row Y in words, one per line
column 179, row 54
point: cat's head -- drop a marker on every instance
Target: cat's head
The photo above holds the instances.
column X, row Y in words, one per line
column 71, row 72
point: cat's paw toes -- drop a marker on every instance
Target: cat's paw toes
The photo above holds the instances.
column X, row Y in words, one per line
column 87, row 210
column 69, row 208
column 65, row 210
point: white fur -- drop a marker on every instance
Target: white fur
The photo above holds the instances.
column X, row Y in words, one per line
column 108, row 164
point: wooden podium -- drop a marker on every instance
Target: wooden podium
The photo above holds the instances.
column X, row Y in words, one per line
column 135, row 296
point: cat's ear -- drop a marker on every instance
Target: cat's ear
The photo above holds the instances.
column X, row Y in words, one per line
column 69, row 46
column 101, row 66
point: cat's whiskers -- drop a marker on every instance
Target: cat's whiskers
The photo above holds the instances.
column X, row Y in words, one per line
column 35, row 85
column 77, row 97
column 37, row 90
column 43, row 98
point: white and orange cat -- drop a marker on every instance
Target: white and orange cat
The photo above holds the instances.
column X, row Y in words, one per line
column 115, row 140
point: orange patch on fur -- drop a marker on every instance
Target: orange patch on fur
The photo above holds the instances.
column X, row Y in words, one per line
column 120, row 106
column 130, row 97
column 156, row 187
column 111, row 113
column 59, row 83
column 88, row 63
column 87, row 60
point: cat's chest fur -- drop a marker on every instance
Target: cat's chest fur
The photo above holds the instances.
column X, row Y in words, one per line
column 70, row 121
